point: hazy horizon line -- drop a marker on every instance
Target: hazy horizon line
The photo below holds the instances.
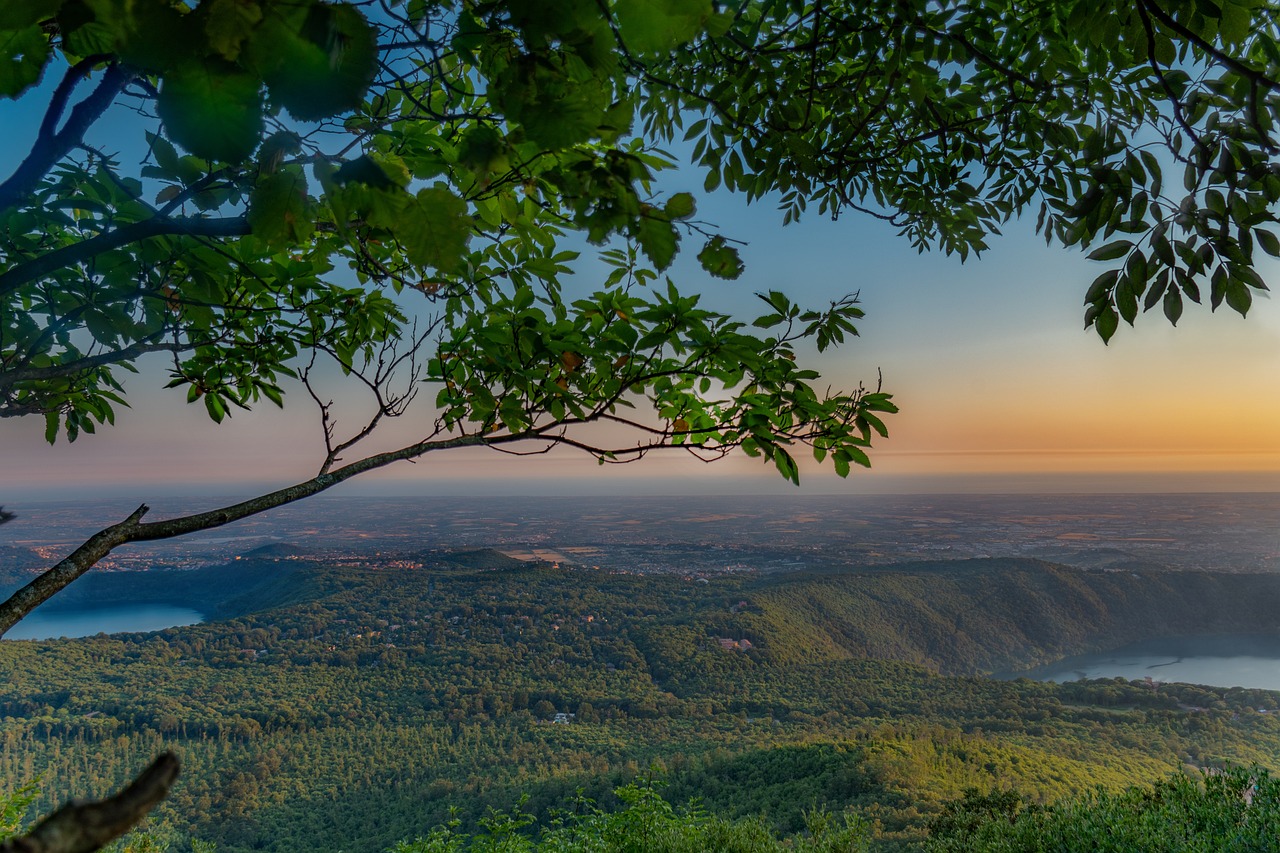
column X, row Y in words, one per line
column 1031, row 487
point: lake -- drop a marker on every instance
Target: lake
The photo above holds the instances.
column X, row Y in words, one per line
column 1244, row 660
column 47, row 625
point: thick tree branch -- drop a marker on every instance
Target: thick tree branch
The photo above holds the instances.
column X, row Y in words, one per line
column 39, row 590
column 81, row 827
column 71, row 368
column 159, row 226
column 132, row 529
column 52, row 145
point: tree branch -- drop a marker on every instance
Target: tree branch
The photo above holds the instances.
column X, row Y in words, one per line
column 34, row 374
column 1255, row 76
column 82, row 827
column 51, row 146
column 1178, row 114
column 158, row 226
column 132, row 529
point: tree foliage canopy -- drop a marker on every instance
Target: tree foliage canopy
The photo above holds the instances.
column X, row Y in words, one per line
column 445, row 151
column 950, row 119
column 283, row 202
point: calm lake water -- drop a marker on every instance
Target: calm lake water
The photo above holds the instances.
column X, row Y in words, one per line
column 41, row 625
column 1220, row 661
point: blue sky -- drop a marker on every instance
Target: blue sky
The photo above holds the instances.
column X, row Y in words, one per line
column 1000, row 387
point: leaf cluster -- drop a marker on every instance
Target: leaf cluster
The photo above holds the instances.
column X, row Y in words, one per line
column 440, row 155
column 444, row 155
column 948, row 120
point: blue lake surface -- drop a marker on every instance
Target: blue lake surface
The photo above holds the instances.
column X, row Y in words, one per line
column 48, row 625
column 1219, row 661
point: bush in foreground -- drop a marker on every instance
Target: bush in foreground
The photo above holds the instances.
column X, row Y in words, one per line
column 1233, row 811
column 646, row 824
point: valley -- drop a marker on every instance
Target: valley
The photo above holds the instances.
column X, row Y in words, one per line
column 367, row 668
column 332, row 704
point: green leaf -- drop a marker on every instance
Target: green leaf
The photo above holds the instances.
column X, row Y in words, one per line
column 719, row 259
column 320, row 68
column 1111, row 251
column 1216, row 202
column 91, row 27
column 1238, row 297
column 1126, row 301
column 1137, row 272
column 1102, row 285
column 1106, row 323
column 1156, row 291
column 18, row 14
column 786, row 466
column 213, row 110
column 364, row 170
column 276, row 148
column 1173, row 305
column 483, row 149
column 841, row 463
column 680, row 206
column 1234, row 26
column 23, row 54
column 1268, row 242
column 228, row 24
column 217, row 411
column 554, row 97
column 658, row 239
column 164, row 152
column 161, row 39
column 657, row 26
column 279, row 211
column 436, row 229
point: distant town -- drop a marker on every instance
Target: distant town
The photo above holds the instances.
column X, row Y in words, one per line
column 698, row 535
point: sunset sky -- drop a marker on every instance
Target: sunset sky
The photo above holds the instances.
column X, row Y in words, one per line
column 1000, row 388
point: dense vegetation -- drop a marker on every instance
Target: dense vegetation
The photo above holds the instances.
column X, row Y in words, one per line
column 369, row 702
column 451, row 157
column 1229, row 812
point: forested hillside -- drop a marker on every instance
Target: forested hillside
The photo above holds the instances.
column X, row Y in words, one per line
column 363, row 704
column 980, row 616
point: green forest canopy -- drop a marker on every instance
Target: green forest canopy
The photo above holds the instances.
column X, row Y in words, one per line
column 392, row 696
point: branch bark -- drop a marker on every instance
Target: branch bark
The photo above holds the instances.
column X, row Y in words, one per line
column 37, row 374
column 82, row 827
column 159, row 226
column 132, row 529
column 1255, row 76
column 52, row 145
